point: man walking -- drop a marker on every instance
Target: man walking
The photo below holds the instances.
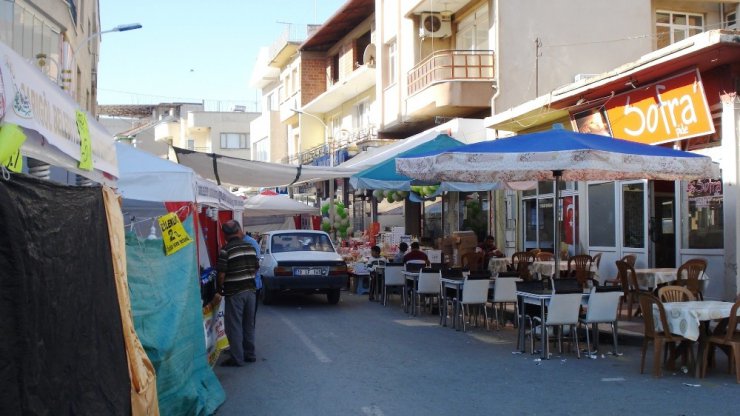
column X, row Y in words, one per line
column 237, row 267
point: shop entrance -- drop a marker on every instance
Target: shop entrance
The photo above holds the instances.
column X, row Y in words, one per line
column 662, row 224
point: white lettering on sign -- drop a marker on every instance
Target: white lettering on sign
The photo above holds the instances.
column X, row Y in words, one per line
column 675, row 115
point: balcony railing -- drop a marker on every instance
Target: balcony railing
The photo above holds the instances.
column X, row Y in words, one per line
column 451, row 65
column 345, row 140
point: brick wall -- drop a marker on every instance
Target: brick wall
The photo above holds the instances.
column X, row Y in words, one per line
column 313, row 78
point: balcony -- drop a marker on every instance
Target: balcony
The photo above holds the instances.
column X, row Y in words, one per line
column 360, row 80
column 451, row 83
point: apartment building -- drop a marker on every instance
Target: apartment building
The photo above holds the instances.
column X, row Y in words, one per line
column 59, row 36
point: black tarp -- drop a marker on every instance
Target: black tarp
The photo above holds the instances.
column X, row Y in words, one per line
column 61, row 341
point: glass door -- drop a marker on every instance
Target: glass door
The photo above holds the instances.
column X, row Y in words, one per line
column 633, row 220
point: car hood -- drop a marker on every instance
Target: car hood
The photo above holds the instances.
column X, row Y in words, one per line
column 307, row 256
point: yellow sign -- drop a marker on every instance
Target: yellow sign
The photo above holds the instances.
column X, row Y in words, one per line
column 11, row 139
column 85, row 143
column 173, row 233
column 672, row 109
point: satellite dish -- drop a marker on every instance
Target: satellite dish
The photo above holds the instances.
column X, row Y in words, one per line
column 368, row 56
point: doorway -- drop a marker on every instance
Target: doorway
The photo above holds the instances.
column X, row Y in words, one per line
column 662, row 225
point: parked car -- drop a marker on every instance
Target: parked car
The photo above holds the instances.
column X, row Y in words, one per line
column 302, row 261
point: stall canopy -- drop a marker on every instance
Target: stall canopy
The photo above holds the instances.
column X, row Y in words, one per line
column 384, row 176
column 146, row 177
column 250, row 173
column 266, row 205
column 48, row 117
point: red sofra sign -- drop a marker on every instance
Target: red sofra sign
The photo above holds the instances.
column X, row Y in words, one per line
column 672, row 109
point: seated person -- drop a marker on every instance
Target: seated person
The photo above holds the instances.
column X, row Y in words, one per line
column 488, row 246
column 401, row 252
column 416, row 254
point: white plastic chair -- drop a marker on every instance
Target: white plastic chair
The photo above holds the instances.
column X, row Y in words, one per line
column 603, row 307
column 393, row 278
column 427, row 286
column 475, row 292
column 562, row 310
column 504, row 291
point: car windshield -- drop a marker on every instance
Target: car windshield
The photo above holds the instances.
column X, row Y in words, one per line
column 301, row 242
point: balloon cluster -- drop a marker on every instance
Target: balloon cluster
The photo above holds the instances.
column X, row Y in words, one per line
column 341, row 219
column 425, row 190
column 390, row 196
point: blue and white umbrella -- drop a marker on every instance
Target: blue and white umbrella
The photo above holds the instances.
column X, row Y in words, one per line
column 556, row 154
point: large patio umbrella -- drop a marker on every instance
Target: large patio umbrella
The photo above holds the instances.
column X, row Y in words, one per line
column 557, row 155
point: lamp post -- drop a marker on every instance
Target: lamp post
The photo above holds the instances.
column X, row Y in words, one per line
column 331, row 163
column 119, row 28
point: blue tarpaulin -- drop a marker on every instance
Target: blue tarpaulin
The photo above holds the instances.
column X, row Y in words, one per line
column 384, row 175
column 166, row 306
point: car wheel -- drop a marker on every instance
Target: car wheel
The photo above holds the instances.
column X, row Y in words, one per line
column 333, row 296
column 268, row 296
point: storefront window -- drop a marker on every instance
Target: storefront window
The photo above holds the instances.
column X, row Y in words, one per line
column 704, row 228
column 633, row 198
column 601, row 214
column 474, row 213
column 530, row 224
column 433, row 219
column 546, row 217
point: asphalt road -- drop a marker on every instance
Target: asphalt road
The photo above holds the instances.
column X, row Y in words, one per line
column 360, row 358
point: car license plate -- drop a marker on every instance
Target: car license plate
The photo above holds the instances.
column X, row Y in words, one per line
column 309, row 271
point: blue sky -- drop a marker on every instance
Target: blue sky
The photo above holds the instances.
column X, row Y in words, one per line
column 192, row 50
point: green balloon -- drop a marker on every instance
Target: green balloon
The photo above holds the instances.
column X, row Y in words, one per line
column 325, row 226
column 325, row 209
column 390, row 198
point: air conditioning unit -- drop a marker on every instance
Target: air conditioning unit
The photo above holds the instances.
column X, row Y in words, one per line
column 435, row 25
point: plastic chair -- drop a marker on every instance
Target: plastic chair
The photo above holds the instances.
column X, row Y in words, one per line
column 520, row 262
column 630, row 259
column 428, row 286
column 504, row 291
column 473, row 261
column 663, row 339
column 579, row 266
column 688, row 275
column 377, row 271
column 630, row 289
column 393, row 279
column 474, row 292
column 674, row 293
column 730, row 340
column 603, row 307
column 544, row 256
column 562, row 310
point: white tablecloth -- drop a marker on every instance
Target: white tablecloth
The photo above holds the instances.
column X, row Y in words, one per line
column 651, row 278
column 684, row 318
column 498, row 264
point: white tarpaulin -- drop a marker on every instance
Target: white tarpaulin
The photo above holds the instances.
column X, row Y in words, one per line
column 265, row 205
column 146, row 177
column 250, row 173
column 48, row 116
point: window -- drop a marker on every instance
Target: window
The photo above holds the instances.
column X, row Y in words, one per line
column 392, row 52
column 731, row 20
column 234, row 140
column 31, row 34
column 362, row 115
column 672, row 27
column 704, row 226
column 601, row 221
column 334, row 69
column 191, row 144
column 262, row 150
column 472, row 31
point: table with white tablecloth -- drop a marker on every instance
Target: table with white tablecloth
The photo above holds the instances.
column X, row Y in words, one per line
column 497, row 265
column 649, row 279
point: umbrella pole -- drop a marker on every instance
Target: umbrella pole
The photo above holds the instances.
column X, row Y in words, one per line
column 556, row 238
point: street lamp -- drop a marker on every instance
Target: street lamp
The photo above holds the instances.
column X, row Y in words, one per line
column 119, row 28
column 331, row 163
